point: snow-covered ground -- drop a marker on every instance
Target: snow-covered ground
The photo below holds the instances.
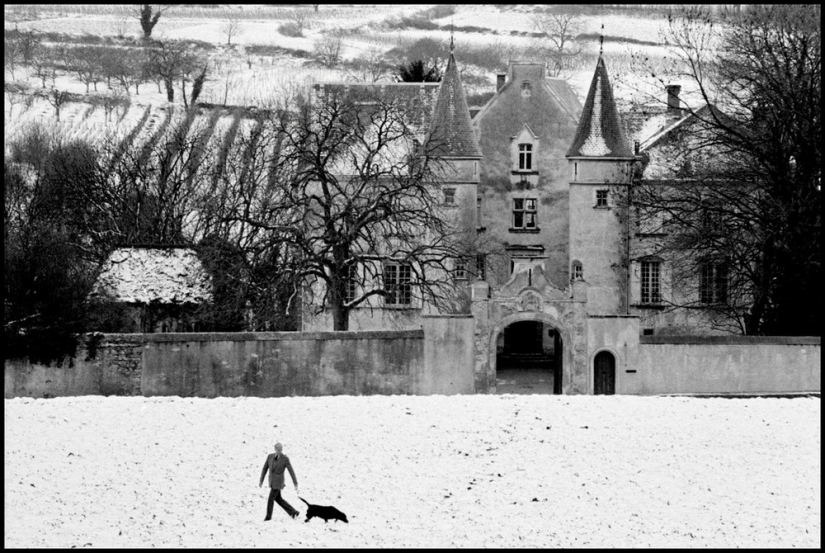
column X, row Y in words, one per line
column 502, row 471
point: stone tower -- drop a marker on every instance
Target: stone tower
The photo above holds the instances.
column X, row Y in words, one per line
column 600, row 163
column 454, row 146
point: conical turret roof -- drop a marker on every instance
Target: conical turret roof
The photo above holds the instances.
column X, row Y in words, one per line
column 600, row 131
column 451, row 133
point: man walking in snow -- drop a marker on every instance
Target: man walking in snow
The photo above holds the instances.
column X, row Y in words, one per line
column 275, row 464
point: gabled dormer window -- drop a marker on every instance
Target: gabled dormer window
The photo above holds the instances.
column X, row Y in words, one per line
column 524, row 147
column 525, row 157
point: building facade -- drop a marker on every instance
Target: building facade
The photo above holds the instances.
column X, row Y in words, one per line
column 563, row 282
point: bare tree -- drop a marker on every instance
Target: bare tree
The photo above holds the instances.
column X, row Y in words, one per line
column 171, row 61
column 370, row 67
column 231, row 81
column 299, row 17
column 43, row 64
column 17, row 93
column 29, row 42
column 12, row 54
column 121, row 25
column 558, row 40
column 85, row 62
column 110, row 101
column 354, row 198
column 231, row 28
column 127, row 67
column 739, row 207
column 151, row 193
column 57, row 98
column 328, row 49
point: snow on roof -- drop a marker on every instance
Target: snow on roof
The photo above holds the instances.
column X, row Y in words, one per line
column 143, row 275
column 666, row 128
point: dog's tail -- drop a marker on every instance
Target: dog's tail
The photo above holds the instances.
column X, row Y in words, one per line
column 304, row 500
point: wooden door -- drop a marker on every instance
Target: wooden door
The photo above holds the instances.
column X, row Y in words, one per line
column 557, row 363
column 604, row 373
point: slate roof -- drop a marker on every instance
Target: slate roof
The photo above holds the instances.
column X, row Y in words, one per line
column 558, row 89
column 451, row 128
column 162, row 275
column 600, row 132
column 561, row 91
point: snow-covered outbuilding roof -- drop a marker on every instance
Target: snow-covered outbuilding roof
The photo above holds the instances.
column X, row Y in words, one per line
column 144, row 275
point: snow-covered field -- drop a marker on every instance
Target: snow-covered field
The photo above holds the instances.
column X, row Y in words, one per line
column 501, row 471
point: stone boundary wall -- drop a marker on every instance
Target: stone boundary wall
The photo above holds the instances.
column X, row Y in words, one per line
column 724, row 365
column 431, row 360
column 741, row 340
column 103, row 365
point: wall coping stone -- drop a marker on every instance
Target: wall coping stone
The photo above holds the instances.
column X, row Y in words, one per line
column 613, row 317
column 449, row 316
column 167, row 337
column 733, row 340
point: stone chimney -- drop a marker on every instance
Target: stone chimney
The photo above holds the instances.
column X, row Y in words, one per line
column 673, row 99
column 500, row 78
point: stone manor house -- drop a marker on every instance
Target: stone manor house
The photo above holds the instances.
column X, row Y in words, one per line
column 560, row 279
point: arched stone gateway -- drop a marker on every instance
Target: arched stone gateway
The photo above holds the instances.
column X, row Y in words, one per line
column 527, row 354
column 546, row 326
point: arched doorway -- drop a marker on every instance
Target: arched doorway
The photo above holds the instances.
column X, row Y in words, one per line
column 528, row 357
column 604, row 373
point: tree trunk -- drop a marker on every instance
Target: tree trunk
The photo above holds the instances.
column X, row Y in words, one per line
column 340, row 317
column 170, row 91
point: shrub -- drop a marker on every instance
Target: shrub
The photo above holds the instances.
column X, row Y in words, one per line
column 414, row 22
column 328, row 50
column 438, row 11
column 274, row 51
column 291, row 29
column 480, row 98
column 427, row 49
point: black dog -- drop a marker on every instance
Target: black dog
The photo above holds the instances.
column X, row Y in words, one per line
column 324, row 512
